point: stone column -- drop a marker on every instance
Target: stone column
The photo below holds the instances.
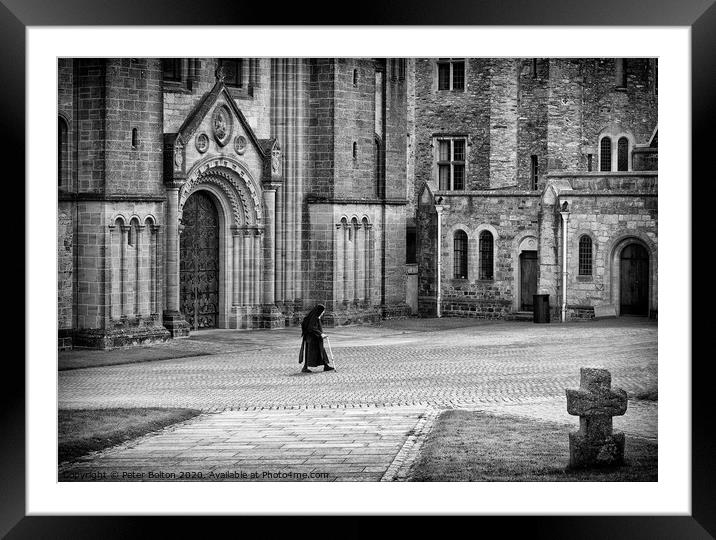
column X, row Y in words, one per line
column 235, row 266
column 154, row 264
column 338, row 258
column 269, row 246
column 173, row 320
column 124, row 271
column 439, row 210
column 366, row 262
column 346, row 270
column 246, row 275
column 141, row 294
column 257, row 267
column 356, row 261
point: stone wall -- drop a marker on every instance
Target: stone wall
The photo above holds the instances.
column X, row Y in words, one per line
column 453, row 112
column 254, row 98
column 613, row 210
column 133, row 96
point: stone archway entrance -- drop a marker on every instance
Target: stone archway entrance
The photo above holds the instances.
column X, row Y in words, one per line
column 199, row 262
column 634, row 280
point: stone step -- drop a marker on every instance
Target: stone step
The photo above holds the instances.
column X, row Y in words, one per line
column 523, row 316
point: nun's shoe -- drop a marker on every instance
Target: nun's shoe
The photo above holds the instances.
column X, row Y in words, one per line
column 306, row 370
column 328, row 368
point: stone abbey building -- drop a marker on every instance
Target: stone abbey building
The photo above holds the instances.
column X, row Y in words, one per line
column 237, row 193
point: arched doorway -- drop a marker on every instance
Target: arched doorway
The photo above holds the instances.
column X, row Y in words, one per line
column 199, row 261
column 634, row 280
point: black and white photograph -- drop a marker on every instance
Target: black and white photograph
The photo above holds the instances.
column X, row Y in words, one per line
column 332, row 269
column 355, row 271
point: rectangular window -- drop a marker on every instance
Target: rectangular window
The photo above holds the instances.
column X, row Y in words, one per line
column 451, row 75
column 451, row 164
column 458, row 76
column 411, row 251
column 589, row 162
column 444, row 76
column 171, row 69
column 232, row 71
column 585, row 256
column 534, row 171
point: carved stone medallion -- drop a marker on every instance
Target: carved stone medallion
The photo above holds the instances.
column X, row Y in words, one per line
column 221, row 123
column 240, row 144
column 202, row 142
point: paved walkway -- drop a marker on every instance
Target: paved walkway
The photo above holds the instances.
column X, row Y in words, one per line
column 366, row 420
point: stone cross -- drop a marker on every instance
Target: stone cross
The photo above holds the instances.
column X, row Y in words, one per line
column 595, row 402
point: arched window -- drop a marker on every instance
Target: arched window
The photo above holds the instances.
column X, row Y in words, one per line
column 460, row 255
column 486, row 255
column 585, row 256
column 62, row 152
column 605, row 154
column 623, row 154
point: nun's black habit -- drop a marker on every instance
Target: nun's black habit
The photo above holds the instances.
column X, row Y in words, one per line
column 312, row 351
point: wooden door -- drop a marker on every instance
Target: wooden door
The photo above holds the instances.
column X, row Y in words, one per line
column 199, row 262
column 528, row 279
column 634, row 280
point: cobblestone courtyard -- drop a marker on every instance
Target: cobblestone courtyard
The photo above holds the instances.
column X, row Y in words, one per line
column 365, row 420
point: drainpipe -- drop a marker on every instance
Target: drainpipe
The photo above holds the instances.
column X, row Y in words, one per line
column 439, row 210
column 565, row 224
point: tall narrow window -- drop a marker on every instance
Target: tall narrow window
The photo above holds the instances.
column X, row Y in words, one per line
column 534, row 68
column 355, row 77
column 458, row 75
column 534, row 171
column 451, row 164
column 589, row 162
column 444, row 165
column 620, row 74
column 232, row 68
column 458, row 164
column 486, row 255
column 135, row 138
column 411, row 245
column 623, row 154
column 355, row 151
column 585, row 256
column 171, row 69
column 460, row 255
column 62, row 152
column 605, row 154
column 444, row 76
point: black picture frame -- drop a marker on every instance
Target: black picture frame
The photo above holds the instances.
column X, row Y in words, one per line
column 700, row 15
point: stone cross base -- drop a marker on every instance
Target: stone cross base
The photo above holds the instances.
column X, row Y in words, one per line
column 175, row 323
column 586, row 453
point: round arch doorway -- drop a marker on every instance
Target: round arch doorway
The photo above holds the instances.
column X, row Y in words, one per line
column 634, row 280
column 199, row 262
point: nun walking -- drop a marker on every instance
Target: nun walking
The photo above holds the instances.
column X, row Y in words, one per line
column 313, row 354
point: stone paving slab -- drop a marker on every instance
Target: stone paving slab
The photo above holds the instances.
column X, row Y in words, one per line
column 340, row 455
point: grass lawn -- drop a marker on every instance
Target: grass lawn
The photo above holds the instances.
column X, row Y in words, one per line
column 86, row 430
column 466, row 446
